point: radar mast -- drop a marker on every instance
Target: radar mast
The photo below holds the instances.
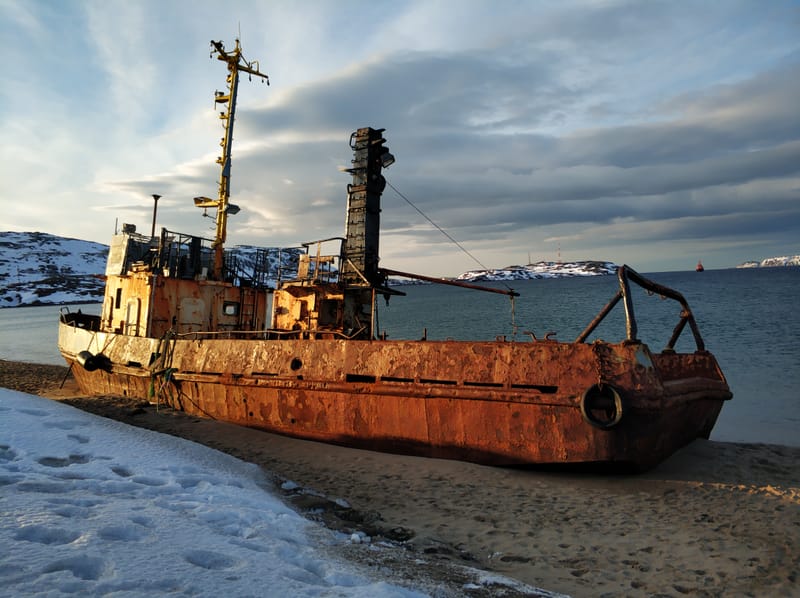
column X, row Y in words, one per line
column 236, row 64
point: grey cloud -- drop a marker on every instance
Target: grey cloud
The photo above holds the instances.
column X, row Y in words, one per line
column 700, row 163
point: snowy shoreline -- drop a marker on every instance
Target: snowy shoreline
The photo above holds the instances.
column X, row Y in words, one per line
column 94, row 506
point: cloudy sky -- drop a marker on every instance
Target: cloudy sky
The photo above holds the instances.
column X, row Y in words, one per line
column 648, row 133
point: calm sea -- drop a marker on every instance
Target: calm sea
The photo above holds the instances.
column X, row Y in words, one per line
column 748, row 318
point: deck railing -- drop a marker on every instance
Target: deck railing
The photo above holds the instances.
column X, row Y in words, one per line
column 626, row 275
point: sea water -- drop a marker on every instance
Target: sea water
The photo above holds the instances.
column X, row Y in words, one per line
column 748, row 319
column 30, row 334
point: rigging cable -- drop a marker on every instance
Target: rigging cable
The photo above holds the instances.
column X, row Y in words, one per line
column 461, row 247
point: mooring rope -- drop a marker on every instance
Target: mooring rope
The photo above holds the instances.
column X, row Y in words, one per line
column 165, row 352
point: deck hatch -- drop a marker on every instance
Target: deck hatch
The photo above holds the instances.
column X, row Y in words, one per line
column 360, row 378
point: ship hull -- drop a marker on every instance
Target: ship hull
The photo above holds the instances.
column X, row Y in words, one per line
column 496, row 403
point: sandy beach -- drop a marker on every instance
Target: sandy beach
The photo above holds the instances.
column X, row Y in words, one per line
column 716, row 519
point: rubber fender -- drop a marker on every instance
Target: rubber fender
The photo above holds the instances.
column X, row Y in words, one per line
column 601, row 406
column 87, row 361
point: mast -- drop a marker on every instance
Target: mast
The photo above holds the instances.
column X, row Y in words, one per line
column 236, row 64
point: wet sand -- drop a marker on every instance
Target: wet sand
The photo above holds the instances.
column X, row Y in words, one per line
column 716, row 519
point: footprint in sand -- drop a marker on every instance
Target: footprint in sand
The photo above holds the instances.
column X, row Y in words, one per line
column 9, row 480
column 43, row 534
column 72, row 512
column 63, row 461
column 78, row 508
column 122, row 471
column 74, row 508
column 141, row 520
column 35, row 412
column 510, row 558
column 78, row 502
column 42, row 487
column 191, row 481
column 122, row 533
column 149, row 481
column 7, row 453
column 254, row 546
column 81, row 566
column 207, row 559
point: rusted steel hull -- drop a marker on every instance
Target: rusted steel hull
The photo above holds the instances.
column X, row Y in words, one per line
column 497, row 403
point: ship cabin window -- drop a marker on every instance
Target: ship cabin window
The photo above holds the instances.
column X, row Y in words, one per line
column 329, row 312
column 229, row 308
column 118, row 299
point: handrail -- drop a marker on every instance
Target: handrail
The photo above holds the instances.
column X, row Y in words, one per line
column 626, row 274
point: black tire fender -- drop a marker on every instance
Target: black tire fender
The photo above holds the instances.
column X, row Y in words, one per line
column 602, row 406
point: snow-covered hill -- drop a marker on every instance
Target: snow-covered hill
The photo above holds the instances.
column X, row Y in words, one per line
column 43, row 269
column 281, row 262
column 770, row 262
column 542, row 270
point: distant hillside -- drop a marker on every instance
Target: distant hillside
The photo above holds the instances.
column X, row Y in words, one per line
column 542, row 270
column 43, row 269
column 771, row 262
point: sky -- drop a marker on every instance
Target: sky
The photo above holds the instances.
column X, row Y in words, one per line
column 91, row 506
column 653, row 133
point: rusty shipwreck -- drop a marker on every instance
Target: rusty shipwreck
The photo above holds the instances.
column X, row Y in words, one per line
column 183, row 323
